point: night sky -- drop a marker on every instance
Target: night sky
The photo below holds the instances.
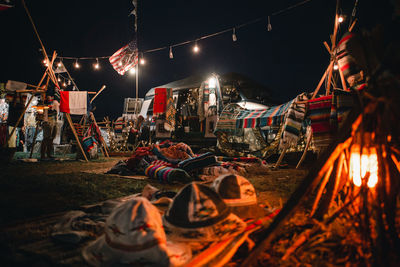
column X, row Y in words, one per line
column 289, row 60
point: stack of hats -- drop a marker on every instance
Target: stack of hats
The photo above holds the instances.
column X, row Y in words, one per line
column 134, row 236
column 239, row 195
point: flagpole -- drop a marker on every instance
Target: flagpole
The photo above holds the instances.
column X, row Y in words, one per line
column 137, row 81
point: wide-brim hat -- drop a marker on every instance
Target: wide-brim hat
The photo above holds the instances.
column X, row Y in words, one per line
column 134, row 236
column 239, row 195
column 198, row 214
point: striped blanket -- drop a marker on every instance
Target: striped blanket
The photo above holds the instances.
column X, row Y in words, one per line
column 233, row 117
column 293, row 121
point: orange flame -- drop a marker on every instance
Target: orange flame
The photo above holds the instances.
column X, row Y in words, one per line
column 361, row 164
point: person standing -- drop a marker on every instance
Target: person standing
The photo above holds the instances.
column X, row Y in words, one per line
column 49, row 123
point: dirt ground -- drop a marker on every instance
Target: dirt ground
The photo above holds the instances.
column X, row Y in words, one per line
column 34, row 194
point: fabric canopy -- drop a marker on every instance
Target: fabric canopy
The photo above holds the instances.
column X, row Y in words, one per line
column 233, row 117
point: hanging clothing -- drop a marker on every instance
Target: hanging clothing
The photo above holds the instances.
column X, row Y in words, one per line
column 160, row 101
column 171, row 111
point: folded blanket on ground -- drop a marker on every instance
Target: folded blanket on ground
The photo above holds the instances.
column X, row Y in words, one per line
column 199, row 162
column 166, row 174
column 239, row 159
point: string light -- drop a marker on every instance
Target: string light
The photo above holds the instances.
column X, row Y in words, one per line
column 59, row 79
column 45, row 62
column 335, row 67
column 340, row 19
column 76, row 65
column 132, row 71
column 64, row 84
column 59, row 64
column 69, row 82
column 269, row 26
column 171, row 55
column 142, row 61
column 234, row 38
column 97, row 65
column 196, row 48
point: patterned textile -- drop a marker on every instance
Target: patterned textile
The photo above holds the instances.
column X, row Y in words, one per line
column 293, row 121
column 199, row 162
column 162, row 163
column 233, row 117
column 137, row 156
column 160, row 101
column 319, row 112
column 166, row 174
column 347, row 62
column 172, row 153
column 171, row 111
column 342, row 102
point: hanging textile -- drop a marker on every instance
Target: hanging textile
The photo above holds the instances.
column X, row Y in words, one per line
column 160, row 101
column 201, row 100
column 171, row 111
column 293, row 121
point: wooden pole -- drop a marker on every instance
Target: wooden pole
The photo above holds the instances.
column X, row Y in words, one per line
column 321, row 189
column 75, row 134
column 343, row 80
column 309, row 137
column 103, row 143
column 280, row 158
column 322, row 80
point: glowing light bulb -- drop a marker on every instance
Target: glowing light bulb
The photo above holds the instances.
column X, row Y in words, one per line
column 340, row 19
column 335, row 67
column 171, row 55
column 234, row 38
column 132, row 71
column 196, row 48
column 97, row 65
column 59, row 64
column 76, row 65
column 142, row 61
column 64, row 84
column 59, row 79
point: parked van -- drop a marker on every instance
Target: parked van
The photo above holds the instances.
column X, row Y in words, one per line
column 199, row 100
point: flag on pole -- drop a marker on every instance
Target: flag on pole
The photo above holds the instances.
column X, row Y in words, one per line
column 74, row 102
column 125, row 58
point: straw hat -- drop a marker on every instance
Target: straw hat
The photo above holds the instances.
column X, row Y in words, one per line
column 134, row 236
column 198, row 214
column 240, row 196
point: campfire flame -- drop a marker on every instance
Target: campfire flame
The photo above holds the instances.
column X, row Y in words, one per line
column 362, row 163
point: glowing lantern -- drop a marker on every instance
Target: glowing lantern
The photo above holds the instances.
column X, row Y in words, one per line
column 361, row 163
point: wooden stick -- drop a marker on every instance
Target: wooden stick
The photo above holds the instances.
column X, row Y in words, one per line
column 309, row 137
column 322, row 80
column 280, row 158
column 352, row 25
column 327, row 47
column 328, row 87
column 321, row 189
column 343, row 80
column 101, row 90
column 75, row 134
column 103, row 143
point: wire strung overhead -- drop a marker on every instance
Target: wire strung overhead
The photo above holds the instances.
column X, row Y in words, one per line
column 195, row 41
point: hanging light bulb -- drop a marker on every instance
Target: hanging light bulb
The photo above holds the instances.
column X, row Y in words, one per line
column 234, row 38
column 59, row 64
column 97, row 65
column 142, row 61
column 59, row 79
column 340, row 19
column 69, row 82
column 132, row 71
column 76, row 65
column 196, row 48
column 45, row 62
column 335, row 67
column 64, row 84
column 269, row 26
column 171, row 55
